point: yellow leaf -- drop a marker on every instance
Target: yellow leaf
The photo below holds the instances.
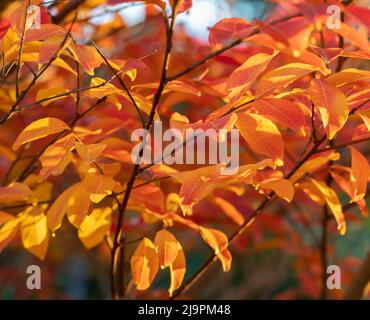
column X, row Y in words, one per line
column 282, row 187
column 34, row 232
column 8, row 231
column 50, row 92
column 70, row 200
column 144, row 264
column 40, row 129
column 95, row 226
column 98, row 186
column 172, row 202
column 333, row 203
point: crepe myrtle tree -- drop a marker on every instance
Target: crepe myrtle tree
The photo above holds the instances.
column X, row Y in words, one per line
column 76, row 85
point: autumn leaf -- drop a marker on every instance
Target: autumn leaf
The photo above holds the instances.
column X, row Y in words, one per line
column 243, row 77
column 313, row 164
column 98, row 186
column 262, row 136
column 56, row 157
column 91, row 151
column 87, row 56
column 282, row 76
column 282, row 112
column 94, row 227
column 347, row 76
column 177, row 271
column 73, row 200
column 331, row 104
column 8, row 231
column 34, row 232
column 167, row 248
column 228, row 29
column 218, row 241
column 14, row 192
column 39, row 129
column 199, row 183
column 230, row 210
column 360, row 174
column 144, row 264
column 333, row 203
column 282, row 187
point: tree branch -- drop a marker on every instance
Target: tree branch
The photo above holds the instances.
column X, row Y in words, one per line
column 123, row 85
column 118, row 235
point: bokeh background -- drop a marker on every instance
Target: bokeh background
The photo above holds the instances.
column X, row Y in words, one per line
column 265, row 263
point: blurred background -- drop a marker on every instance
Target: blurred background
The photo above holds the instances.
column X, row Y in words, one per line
column 277, row 259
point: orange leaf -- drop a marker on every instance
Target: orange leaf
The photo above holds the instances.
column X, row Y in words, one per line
column 332, row 105
column 355, row 37
column 89, row 152
column 262, row 136
column 360, row 174
column 243, row 77
column 57, row 156
column 227, row 30
column 282, row 77
column 8, row 231
column 98, row 186
column 14, row 192
column 282, row 111
column 177, row 270
column 333, row 203
column 167, row 248
column 40, row 129
column 87, row 56
column 282, row 187
column 197, row 184
column 72, row 200
column 218, row 241
column 144, row 264
column 230, row 210
column 313, row 164
column 347, row 76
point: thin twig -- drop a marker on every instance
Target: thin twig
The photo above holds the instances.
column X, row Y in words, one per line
column 19, row 62
column 122, row 83
column 38, row 75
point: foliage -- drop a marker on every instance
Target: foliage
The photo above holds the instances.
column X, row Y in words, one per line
column 72, row 92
